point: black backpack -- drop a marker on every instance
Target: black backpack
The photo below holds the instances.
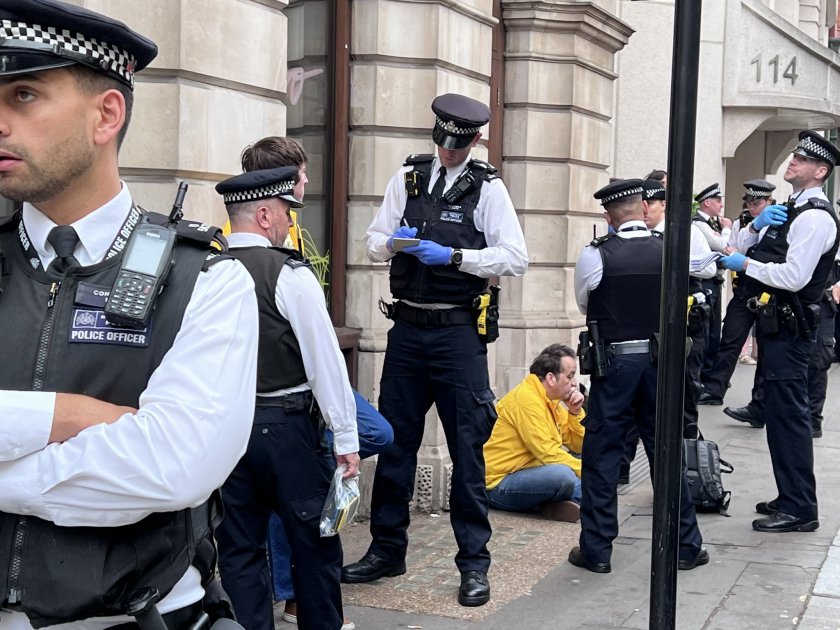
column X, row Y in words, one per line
column 704, row 467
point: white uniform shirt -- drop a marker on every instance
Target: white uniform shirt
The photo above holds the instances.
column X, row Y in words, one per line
column 191, row 428
column 505, row 254
column 717, row 241
column 810, row 236
column 300, row 299
column 698, row 249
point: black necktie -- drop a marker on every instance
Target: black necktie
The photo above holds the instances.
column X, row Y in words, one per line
column 64, row 239
column 437, row 190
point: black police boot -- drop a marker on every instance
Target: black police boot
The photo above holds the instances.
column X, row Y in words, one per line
column 475, row 589
column 745, row 414
column 709, row 399
column 371, row 567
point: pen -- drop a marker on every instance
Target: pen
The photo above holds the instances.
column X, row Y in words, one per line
column 404, row 222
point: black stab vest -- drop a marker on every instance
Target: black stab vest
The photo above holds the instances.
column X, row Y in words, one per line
column 452, row 225
column 279, row 361
column 58, row 574
column 773, row 247
column 626, row 301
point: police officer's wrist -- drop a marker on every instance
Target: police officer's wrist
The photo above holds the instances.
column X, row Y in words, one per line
column 456, row 257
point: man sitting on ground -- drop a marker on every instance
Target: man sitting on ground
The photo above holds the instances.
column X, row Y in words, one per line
column 531, row 455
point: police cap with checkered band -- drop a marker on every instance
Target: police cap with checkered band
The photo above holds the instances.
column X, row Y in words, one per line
column 457, row 120
column 758, row 189
column 620, row 190
column 709, row 192
column 37, row 35
column 813, row 145
column 263, row 184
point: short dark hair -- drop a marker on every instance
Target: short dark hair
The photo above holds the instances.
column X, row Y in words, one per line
column 92, row 82
column 623, row 208
column 273, row 152
column 657, row 174
column 551, row 360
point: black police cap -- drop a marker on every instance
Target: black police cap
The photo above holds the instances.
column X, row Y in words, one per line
column 708, row 193
column 758, row 189
column 619, row 190
column 263, row 184
column 813, row 145
column 653, row 190
column 38, row 35
column 458, row 120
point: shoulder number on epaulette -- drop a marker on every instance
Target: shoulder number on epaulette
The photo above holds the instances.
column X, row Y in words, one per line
column 597, row 242
column 489, row 170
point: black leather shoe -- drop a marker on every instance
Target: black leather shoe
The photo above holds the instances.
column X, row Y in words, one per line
column 577, row 558
column 781, row 522
column 474, row 590
column 371, row 567
column 709, row 399
column 744, row 414
column 699, row 560
column 768, row 508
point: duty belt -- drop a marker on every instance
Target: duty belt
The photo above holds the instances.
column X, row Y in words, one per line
column 297, row 401
column 434, row 317
column 629, row 347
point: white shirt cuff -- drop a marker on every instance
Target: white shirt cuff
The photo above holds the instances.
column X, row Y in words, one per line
column 27, row 419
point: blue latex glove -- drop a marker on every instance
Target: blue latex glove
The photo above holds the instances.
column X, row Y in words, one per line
column 771, row 215
column 402, row 232
column 430, row 253
column 735, row 261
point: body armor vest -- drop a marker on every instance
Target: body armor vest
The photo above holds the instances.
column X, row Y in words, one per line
column 449, row 224
column 626, row 301
column 55, row 338
column 773, row 247
column 279, row 360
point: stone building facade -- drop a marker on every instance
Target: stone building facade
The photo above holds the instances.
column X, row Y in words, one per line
column 576, row 97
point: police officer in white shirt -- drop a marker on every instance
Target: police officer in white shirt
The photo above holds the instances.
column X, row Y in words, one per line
column 114, row 434
column 791, row 253
column 468, row 232
column 299, row 365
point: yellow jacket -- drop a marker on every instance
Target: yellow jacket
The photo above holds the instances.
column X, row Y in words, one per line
column 531, row 431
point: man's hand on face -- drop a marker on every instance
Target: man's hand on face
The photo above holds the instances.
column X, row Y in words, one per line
column 73, row 413
column 724, row 222
column 575, row 402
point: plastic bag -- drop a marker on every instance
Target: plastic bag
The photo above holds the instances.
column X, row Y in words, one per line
column 341, row 505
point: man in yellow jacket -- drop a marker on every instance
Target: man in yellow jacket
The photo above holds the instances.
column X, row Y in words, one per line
column 532, row 457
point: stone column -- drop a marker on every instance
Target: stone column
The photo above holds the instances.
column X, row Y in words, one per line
column 215, row 86
column 404, row 54
column 559, row 72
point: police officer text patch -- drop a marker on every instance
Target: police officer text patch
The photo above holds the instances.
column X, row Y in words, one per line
column 90, row 326
column 451, row 216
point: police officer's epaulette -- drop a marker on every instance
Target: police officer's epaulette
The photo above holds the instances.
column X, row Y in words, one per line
column 488, row 169
column 418, row 158
column 294, row 259
column 597, row 242
column 215, row 257
column 190, row 230
column 657, row 234
column 817, row 203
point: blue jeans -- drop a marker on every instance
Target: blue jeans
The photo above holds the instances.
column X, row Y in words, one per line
column 375, row 434
column 527, row 489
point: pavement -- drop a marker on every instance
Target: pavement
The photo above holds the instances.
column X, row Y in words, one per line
column 754, row 580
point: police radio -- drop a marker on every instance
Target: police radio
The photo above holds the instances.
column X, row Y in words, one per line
column 144, row 269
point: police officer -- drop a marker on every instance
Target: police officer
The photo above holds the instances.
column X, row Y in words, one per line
column 653, row 205
column 111, row 433
column 717, row 229
column 468, row 232
column 299, row 366
column 793, row 249
column 617, row 286
column 739, row 319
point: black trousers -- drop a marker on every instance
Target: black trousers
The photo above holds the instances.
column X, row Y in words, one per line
column 713, row 341
column 445, row 366
column 736, row 328
column 819, row 362
column 283, row 470
column 787, row 418
column 625, row 397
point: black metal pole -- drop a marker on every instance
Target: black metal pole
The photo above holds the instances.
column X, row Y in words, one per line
column 667, row 471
